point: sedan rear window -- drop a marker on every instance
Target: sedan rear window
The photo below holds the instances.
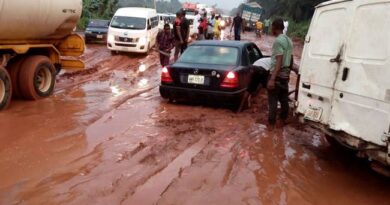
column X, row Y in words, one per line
column 217, row 55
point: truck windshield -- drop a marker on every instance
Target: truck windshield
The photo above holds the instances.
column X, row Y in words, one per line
column 216, row 55
column 124, row 22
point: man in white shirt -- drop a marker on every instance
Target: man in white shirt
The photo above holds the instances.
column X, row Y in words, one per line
column 196, row 24
column 264, row 63
column 285, row 27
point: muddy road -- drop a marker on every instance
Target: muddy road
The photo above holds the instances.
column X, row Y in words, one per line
column 106, row 137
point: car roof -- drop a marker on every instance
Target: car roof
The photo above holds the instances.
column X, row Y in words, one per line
column 237, row 44
column 135, row 12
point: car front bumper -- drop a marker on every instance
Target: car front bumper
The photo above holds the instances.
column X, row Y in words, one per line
column 202, row 96
column 98, row 37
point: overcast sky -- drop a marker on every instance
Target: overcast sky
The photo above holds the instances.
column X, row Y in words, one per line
column 224, row 4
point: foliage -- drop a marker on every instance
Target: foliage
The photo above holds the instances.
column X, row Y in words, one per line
column 297, row 10
column 298, row 30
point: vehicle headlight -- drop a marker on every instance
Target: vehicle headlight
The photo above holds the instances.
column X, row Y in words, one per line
column 111, row 38
column 88, row 31
column 142, row 41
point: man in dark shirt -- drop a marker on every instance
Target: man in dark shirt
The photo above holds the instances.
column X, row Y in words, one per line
column 165, row 43
column 237, row 24
column 185, row 31
column 179, row 39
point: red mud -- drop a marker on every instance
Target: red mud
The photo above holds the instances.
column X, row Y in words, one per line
column 106, row 137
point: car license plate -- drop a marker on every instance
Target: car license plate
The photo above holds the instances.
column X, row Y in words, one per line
column 99, row 36
column 196, row 79
column 313, row 114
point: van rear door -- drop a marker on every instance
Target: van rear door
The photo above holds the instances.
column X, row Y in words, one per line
column 361, row 105
column 324, row 46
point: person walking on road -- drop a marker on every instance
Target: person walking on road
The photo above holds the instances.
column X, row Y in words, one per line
column 210, row 29
column 179, row 40
column 202, row 29
column 259, row 28
column 237, row 25
column 197, row 20
column 165, row 43
column 267, row 23
column 281, row 65
column 217, row 28
column 185, row 31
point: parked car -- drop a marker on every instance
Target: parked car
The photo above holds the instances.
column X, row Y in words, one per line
column 96, row 30
column 214, row 71
column 345, row 87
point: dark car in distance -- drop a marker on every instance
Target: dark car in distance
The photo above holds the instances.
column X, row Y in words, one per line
column 97, row 30
column 215, row 71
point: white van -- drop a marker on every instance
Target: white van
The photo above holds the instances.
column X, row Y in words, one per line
column 133, row 30
column 345, row 76
column 165, row 19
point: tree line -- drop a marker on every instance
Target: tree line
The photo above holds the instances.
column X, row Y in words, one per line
column 297, row 10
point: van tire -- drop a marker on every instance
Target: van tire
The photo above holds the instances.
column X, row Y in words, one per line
column 37, row 77
column 5, row 88
column 14, row 70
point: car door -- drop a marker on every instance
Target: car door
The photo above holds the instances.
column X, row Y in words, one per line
column 361, row 104
column 256, row 77
column 322, row 55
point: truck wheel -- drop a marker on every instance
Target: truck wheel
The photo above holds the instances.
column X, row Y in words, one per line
column 14, row 70
column 36, row 77
column 5, row 89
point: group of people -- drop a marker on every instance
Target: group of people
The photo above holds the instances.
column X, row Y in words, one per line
column 207, row 28
column 279, row 65
column 177, row 38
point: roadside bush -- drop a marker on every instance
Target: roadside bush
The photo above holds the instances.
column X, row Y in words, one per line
column 298, row 29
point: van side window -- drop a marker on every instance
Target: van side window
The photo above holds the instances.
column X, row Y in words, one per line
column 154, row 22
column 368, row 40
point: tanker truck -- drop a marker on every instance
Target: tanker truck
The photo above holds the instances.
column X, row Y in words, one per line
column 36, row 42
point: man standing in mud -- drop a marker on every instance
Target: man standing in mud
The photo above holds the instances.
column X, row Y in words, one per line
column 185, row 31
column 237, row 25
column 179, row 40
column 165, row 43
column 281, row 64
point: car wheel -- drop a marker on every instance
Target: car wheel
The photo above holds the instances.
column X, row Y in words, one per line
column 245, row 102
column 37, row 78
column 5, row 88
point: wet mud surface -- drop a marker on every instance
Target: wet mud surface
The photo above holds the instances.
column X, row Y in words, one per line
column 107, row 137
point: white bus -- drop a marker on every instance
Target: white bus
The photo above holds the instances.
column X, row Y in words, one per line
column 133, row 30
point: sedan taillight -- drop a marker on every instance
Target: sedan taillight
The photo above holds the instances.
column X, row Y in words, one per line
column 165, row 76
column 230, row 81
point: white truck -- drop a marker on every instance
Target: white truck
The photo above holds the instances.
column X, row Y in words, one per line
column 345, row 70
column 36, row 41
